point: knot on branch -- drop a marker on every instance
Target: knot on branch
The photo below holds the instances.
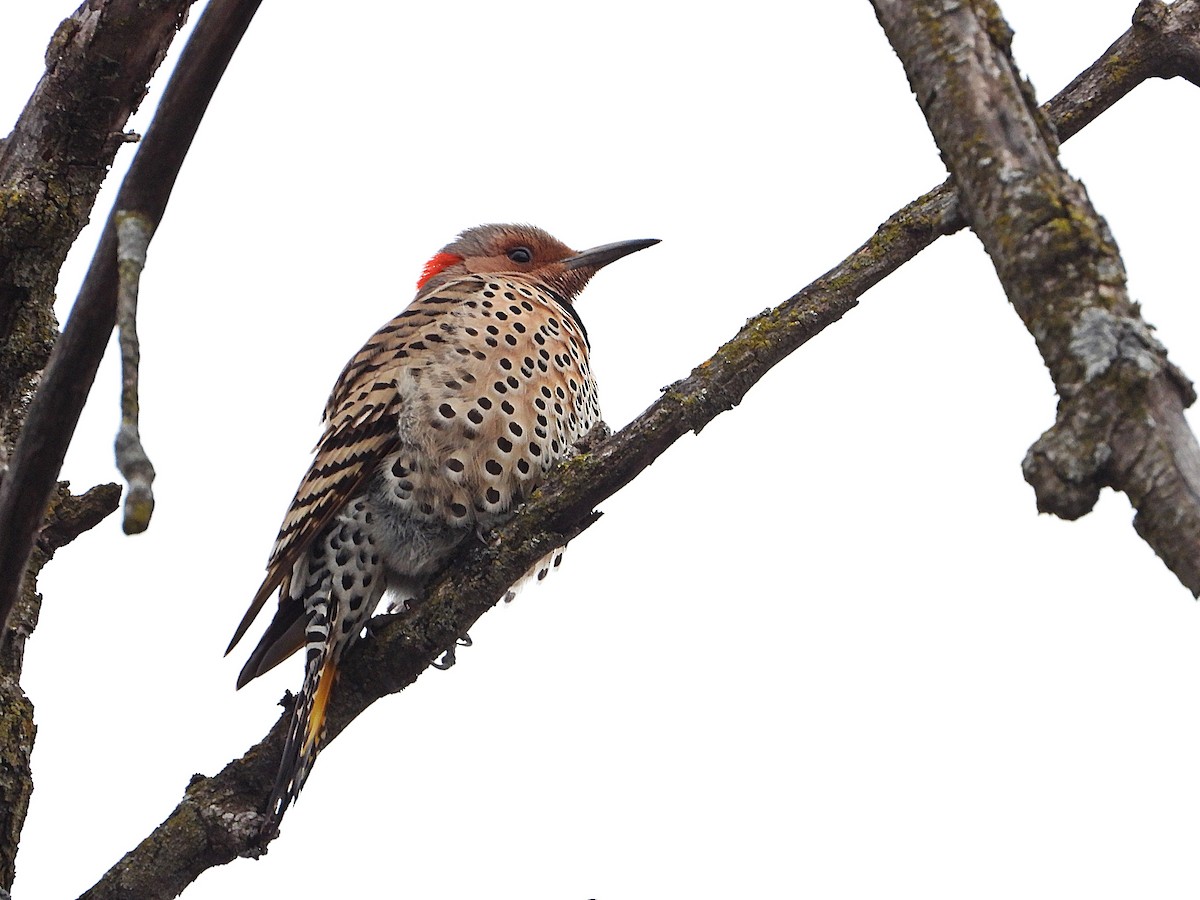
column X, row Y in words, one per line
column 70, row 515
column 1064, row 465
column 1169, row 31
column 1152, row 14
column 1120, row 427
column 235, row 830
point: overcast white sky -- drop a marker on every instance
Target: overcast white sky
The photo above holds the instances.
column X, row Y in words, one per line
column 826, row 649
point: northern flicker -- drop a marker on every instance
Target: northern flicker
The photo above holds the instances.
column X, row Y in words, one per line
column 438, row 427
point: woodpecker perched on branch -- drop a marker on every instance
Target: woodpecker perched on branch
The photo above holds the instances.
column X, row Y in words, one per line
column 438, row 427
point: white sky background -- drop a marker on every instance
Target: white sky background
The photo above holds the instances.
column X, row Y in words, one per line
column 826, row 649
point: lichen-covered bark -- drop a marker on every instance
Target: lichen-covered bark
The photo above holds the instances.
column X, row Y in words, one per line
column 1120, row 417
column 69, row 516
column 51, row 167
column 220, row 815
column 1164, row 42
column 64, row 384
column 16, row 744
column 53, row 163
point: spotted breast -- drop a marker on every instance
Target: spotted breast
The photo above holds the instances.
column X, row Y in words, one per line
column 440, row 425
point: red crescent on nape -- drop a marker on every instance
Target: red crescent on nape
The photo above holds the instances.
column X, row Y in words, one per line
column 436, row 266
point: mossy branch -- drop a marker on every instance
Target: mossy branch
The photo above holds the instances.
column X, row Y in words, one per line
column 51, row 168
column 1120, row 418
column 69, row 516
column 54, row 411
column 220, row 816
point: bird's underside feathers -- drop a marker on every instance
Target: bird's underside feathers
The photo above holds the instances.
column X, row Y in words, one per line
column 436, row 429
column 451, row 412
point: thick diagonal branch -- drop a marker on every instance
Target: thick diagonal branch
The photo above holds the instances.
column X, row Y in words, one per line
column 68, row 517
column 51, row 167
column 64, row 386
column 1120, row 417
column 219, row 817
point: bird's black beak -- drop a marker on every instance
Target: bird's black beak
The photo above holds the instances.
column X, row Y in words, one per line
column 601, row 256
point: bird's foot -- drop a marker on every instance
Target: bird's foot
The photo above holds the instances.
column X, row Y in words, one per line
column 397, row 606
column 449, row 657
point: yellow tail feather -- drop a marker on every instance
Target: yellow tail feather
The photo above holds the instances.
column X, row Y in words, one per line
column 315, row 727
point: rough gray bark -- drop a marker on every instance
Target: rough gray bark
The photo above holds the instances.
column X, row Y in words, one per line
column 51, row 167
column 68, row 517
column 80, row 70
column 220, row 816
column 64, row 386
column 1120, row 415
column 52, row 164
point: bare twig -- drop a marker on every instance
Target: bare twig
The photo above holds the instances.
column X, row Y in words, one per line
column 64, row 386
column 220, row 816
column 133, row 238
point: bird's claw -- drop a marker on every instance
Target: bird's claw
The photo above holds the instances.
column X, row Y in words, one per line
column 449, row 657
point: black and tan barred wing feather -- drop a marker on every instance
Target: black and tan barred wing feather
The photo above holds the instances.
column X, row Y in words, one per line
column 360, row 430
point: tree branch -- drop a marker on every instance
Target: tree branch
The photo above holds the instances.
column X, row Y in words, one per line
column 1120, row 416
column 220, row 816
column 68, row 517
column 54, row 412
column 1164, row 42
column 52, row 165
column 133, row 238
column 51, row 168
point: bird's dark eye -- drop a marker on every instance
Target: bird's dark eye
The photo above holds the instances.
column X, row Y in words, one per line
column 520, row 255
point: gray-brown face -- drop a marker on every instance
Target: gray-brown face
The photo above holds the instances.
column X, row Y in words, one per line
column 523, row 249
column 488, row 249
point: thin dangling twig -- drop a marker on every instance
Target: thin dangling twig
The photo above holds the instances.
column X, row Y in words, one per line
column 134, row 231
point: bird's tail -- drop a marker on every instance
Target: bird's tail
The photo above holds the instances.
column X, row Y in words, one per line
column 307, row 729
